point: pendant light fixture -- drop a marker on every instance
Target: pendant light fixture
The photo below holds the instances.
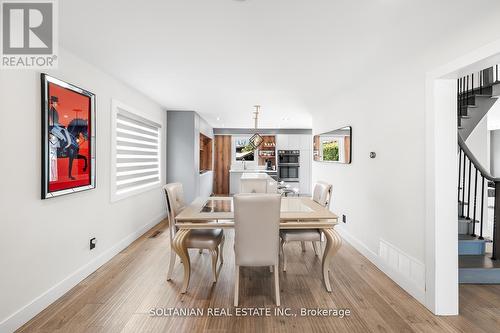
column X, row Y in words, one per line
column 256, row 139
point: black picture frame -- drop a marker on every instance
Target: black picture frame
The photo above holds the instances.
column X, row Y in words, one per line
column 90, row 160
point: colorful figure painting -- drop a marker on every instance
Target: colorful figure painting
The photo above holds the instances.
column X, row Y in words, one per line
column 68, row 124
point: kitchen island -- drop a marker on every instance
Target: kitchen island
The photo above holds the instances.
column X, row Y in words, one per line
column 235, row 176
column 259, row 182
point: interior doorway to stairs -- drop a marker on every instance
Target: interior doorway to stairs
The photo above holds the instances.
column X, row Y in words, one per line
column 477, row 106
column 442, row 175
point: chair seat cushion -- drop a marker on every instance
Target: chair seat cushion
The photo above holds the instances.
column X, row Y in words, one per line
column 204, row 238
column 302, row 235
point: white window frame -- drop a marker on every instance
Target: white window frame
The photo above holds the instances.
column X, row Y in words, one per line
column 118, row 107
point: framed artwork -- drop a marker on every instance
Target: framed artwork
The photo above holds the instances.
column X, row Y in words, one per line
column 68, row 138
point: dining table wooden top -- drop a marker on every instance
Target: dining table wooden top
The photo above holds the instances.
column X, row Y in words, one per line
column 296, row 212
column 218, row 212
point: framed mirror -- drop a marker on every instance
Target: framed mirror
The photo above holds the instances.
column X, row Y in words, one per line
column 334, row 146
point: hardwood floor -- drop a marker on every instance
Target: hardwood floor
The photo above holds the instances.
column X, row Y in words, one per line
column 119, row 296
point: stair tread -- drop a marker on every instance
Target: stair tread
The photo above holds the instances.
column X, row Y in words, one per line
column 477, row 262
column 469, row 238
column 464, row 220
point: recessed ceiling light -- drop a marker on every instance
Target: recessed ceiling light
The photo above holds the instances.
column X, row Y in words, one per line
column 218, row 118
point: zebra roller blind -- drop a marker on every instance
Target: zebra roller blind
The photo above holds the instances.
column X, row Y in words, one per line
column 137, row 158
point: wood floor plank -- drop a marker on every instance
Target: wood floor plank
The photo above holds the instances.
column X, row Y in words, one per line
column 119, row 296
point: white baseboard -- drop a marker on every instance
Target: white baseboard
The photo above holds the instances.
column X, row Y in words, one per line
column 410, row 284
column 30, row 310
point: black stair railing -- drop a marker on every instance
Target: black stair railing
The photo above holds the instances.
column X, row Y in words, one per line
column 466, row 158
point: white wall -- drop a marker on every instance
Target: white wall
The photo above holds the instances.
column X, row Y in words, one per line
column 479, row 142
column 495, row 153
column 494, row 116
column 44, row 244
column 384, row 198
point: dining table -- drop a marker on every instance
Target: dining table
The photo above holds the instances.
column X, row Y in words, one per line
column 218, row 213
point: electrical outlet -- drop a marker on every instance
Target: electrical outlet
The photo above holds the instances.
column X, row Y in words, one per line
column 93, row 242
column 344, row 218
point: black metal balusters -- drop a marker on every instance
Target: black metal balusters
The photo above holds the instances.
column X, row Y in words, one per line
column 472, row 83
column 467, row 93
column 474, row 211
column 496, row 219
column 480, row 83
column 459, row 171
column 468, row 191
column 459, row 112
column 463, row 188
column 482, row 210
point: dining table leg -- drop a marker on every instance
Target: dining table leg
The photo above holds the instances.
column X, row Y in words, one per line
column 333, row 243
column 179, row 246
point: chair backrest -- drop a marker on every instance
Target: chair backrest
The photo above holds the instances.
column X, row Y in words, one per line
column 322, row 193
column 174, row 197
column 256, row 229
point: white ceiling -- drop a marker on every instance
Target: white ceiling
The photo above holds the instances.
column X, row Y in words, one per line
column 221, row 57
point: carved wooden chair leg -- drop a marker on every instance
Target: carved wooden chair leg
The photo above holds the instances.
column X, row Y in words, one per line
column 237, row 285
column 277, row 285
column 315, row 247
column 215, row 257
column 171, row 264
column 284, row 256
column 221, row 249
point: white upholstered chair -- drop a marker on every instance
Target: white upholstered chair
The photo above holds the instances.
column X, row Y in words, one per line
column 321, row 194
column 256, row 235
column 210, row 239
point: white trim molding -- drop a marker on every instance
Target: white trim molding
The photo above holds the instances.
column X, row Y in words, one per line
column 403, row 269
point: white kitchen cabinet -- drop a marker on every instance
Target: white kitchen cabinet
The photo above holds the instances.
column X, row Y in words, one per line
column 290, row 141
column 293, row 142
column 282, row 141
column 305, row 142
column 302, row 142
column 305, row 172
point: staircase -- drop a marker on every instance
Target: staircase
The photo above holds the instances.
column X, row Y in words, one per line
column 477, row 254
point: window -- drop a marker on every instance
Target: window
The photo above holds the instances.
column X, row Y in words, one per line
column 136, row 158
column 332, row 149
column 244, row 151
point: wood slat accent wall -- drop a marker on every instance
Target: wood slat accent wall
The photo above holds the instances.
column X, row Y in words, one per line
column 222, row 164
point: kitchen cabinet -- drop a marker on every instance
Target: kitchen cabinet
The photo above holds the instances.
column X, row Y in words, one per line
column 282, row 141
column 303, row 143
column 293, row 142
column 305, row 172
